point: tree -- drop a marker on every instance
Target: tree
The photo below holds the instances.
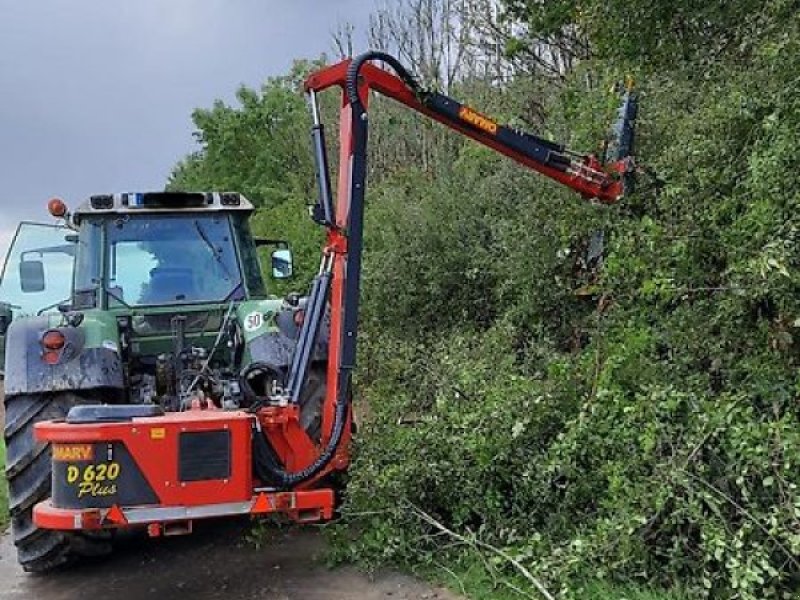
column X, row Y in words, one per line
column 259, row 148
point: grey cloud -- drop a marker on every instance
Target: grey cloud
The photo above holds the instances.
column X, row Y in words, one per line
column 97, row 95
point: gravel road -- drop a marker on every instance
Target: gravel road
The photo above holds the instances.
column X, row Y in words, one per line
column 215, row 562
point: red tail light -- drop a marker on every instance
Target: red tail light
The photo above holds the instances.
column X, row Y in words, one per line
column 51, row 357
column 53, row 340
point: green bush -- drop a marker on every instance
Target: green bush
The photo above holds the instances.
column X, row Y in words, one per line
column 637, row 422
column 631, row 419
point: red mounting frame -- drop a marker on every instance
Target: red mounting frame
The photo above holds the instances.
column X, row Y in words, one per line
column 590, row 178
column 153, row 444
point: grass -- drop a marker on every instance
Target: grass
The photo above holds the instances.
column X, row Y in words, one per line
column 602, row 591
column 473, row 581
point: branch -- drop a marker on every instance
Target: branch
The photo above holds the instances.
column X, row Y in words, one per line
column 744, row 512
column 454, row 576
column 476, row 542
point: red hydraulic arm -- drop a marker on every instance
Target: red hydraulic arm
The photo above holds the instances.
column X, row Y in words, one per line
column 583, row 173
column 336, row 287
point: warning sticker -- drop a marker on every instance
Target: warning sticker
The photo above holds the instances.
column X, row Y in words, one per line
column 253, row 321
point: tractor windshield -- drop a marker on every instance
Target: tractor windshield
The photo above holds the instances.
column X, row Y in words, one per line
column 156, row 260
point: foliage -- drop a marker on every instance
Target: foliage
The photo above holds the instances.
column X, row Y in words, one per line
column 634, row 419
column 647, row 432
column 474, row 579
column 289, row 221
column 689, row 33
column 259, row 148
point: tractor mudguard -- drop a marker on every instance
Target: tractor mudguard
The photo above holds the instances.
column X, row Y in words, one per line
column 80, row 368
column 276, row 347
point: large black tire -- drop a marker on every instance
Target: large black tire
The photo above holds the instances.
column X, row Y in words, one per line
column 312, row 401
column 29, row 482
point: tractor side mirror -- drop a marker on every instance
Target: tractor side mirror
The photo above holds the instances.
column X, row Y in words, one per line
column 282, row 263
column 31, row 276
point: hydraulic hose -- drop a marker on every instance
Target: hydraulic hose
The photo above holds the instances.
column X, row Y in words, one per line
column 351, row 84
column 266, row 463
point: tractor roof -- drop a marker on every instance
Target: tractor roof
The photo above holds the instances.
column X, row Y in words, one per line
column 163, row 202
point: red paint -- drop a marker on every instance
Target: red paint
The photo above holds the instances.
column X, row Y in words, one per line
column 157, row 454
column 605, row 189
column 153, row 444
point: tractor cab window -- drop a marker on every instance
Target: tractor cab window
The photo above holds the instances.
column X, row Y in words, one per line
column 37, row 275
column 88, row 273
column 252, row 268
column 157, row 260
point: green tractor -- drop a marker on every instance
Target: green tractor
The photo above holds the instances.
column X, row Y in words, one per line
column 148, row 299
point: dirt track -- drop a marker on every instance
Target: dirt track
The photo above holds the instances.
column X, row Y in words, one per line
column 213, row 563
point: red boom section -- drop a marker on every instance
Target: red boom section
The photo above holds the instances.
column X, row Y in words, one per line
column 586, row 174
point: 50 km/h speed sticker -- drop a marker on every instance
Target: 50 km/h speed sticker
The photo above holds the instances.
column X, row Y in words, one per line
column 253, row 321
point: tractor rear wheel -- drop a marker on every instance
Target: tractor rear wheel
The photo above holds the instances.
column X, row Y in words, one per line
column 28, row 471
column 311, row 406
column 312, row 401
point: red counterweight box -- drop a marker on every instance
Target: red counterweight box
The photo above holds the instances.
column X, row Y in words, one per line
column 191, row 458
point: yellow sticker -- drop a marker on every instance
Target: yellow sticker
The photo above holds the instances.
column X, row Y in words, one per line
column 73, row 452
column 478, row 120
column 98, row 473
column 158, row 433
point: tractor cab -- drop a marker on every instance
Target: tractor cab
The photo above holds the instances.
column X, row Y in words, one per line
column 137, row 254
column 164, row 249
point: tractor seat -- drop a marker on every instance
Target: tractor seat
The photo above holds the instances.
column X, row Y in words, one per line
column 112, row 413
column 168, row 284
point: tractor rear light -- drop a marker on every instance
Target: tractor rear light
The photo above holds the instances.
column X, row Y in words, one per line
column 57, row 208
column 51, row 357
column 53, row 340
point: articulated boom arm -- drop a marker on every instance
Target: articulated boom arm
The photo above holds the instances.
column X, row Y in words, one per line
column 583, row 173
column 338, row 282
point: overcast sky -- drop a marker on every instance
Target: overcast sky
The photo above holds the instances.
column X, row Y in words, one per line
column 96, row 95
